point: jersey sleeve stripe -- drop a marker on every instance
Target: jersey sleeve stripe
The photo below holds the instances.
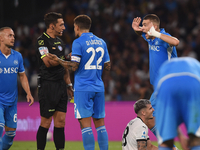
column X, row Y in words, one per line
column 43, row 56
column 141, row 140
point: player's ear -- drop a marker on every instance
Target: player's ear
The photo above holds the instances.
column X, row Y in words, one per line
column 51, row 26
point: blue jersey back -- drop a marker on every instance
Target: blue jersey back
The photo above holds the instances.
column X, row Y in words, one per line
column 9, row 68
column 179, row 67
column 91, row 53
column 159, row 52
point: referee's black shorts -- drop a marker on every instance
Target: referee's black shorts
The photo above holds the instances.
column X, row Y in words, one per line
column 52, row 97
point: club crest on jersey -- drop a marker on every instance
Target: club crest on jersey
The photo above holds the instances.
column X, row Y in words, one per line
column 60, row 48
column 15, row 62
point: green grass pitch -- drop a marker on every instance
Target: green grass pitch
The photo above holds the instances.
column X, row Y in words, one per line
column 68, row 145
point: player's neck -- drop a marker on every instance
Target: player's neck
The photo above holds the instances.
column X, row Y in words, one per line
column 51, row 33
column 83, row 31
column 5, row 50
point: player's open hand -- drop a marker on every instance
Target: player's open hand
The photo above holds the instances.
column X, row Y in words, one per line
column 52, row 56
column 136, row 23
column 30, row 99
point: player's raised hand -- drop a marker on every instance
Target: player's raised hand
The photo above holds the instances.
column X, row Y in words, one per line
column 136, row 23
column 52, row 56
column 30, row 99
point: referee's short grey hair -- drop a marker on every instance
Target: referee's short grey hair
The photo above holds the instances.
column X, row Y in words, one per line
column 141, row 103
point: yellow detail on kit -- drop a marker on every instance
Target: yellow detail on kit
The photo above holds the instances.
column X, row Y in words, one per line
column 72, row 100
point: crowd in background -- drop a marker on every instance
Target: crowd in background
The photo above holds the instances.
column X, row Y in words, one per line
column 111, row 20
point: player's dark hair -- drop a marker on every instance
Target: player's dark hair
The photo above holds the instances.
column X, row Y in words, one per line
column 83, row 21
column 51, row 17
column 3, row 28
column 140, row 104
column 152, row 18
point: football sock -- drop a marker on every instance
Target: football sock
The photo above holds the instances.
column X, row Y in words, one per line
column 88, row 138
column 102, row 138
column 59, row 138
column 7, row 139
column 195, row 147
column 1, row 132
column 164, row 148
column 153, row 130
column 41, row 138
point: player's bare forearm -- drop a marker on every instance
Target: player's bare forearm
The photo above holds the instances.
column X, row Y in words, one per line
column 142, row 145
column 24, row 82
column 70, row 65
column 67, row 76
column 53, row 63
column 25, row 85
column 107, row 66
column 169, row 39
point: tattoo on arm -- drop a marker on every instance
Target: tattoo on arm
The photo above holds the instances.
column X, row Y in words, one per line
column 107, row 66
column 70, row 65
column 142, row 145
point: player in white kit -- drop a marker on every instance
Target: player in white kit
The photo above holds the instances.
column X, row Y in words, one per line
column 135, row 136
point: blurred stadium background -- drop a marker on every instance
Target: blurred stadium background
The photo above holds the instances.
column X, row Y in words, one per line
column 129, row 76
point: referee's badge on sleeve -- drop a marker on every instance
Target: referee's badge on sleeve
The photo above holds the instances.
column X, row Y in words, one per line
column 43, row 50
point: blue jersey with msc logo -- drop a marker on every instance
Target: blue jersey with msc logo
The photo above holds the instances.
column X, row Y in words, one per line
column 91, row 53
column 159, row 52
column 10, row 66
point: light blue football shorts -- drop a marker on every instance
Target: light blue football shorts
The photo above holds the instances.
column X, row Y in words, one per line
column 89, row 104
column 178, row 101
column 8, row 115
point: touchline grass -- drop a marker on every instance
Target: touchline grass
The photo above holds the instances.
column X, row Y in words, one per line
column 72, row 145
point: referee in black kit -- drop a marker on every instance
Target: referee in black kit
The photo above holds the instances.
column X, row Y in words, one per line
column 53, row 82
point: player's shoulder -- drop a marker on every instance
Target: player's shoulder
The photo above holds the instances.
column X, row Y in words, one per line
column 100, row 39
column 162, row 30
column 16, row 53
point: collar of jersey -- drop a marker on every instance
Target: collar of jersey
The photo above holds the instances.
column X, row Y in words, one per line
column 88, row 33
column 46, row 35
column 12, row 51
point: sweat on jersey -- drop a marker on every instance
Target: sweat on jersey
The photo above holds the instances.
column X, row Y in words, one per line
column 159, row 52
column 91, row 53
column 10, row 66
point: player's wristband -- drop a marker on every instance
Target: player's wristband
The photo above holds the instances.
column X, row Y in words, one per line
column 68, row 85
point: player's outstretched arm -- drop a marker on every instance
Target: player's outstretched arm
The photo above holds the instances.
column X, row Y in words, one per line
column 107, row 66
column 136, row 27
column 70, row 65
column 25, row 85
column 169, row 39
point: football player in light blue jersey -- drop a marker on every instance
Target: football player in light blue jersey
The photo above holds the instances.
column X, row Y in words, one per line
column 11, row 65
column 177, row 95
column 88, row 59
column 161, row 48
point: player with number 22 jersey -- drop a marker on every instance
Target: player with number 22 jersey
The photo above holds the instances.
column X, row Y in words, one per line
column 91, row 53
